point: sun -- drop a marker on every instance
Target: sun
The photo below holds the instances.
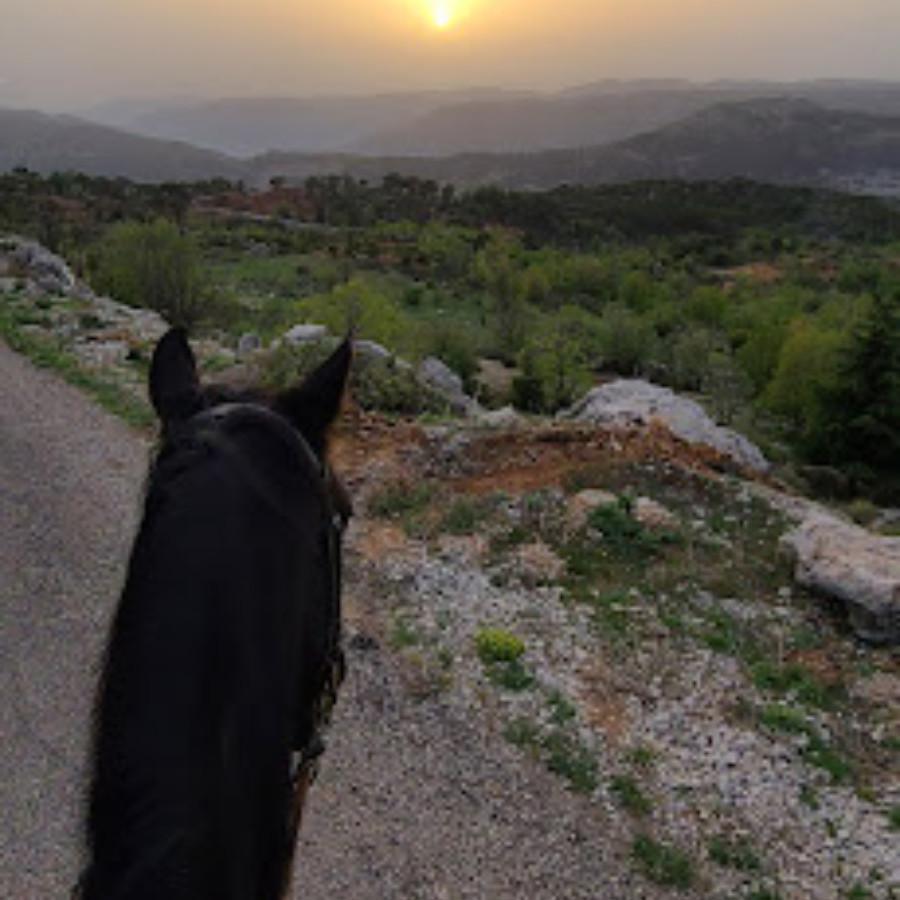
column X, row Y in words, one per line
column 442, row 13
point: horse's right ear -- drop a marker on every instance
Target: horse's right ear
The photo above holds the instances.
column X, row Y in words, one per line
column 174, row 386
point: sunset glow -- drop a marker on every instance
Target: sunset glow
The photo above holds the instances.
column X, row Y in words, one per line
column 442, row 14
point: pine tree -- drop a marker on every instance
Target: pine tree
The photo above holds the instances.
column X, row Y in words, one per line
column 863, row 428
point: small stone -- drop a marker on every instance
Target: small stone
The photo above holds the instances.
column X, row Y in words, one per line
column 653, row 515
column 584, row 503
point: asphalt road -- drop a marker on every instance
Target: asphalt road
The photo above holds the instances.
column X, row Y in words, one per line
column 70, row 480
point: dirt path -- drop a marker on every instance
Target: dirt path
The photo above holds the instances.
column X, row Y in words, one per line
column 416, row 800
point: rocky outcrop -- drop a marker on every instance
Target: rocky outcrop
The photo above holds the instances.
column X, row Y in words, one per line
column 440, row 378
column 36, row 263
column 637, row 402
column 859, row 568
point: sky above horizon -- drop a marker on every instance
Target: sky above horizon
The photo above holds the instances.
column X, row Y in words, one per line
column 59, row 55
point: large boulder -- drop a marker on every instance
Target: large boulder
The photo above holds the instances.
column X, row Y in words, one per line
column 300, row 334
column 47, row 270
column 440, row 378
column 631, row 401
column 859, row 568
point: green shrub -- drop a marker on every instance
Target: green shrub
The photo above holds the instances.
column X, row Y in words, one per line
column 496, row 645
column 629, row 795
column 734, row 853
column 663, row 864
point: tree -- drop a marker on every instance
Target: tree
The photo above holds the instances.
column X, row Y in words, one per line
column 555, row 362
column 862, row 428
column 154, row 266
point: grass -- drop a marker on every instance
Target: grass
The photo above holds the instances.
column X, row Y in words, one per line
column 894, row 818
column 511, row 676
column 403, row 634
column 734, row 853
column 47, row 353
column 464, row 516
column 817, row 751
column 797, row 681
column 562, row 753
column 663, row 864
column 567, row 757
column 402, row 502
column 629, row 795
column 562, row 710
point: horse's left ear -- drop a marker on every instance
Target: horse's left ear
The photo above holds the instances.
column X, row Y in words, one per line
column 174, row 385
column 314, row 405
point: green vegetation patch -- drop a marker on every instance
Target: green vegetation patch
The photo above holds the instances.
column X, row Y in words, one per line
column 48, row 353
column 734, row 853
column 662, row 863
column 561, row 753
column 629, row 795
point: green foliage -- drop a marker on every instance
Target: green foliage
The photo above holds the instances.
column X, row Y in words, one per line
column 554, row 363
column 807, row 372
column 360, row 307
column 464, row 515
column 663, row 864
column 629, row 795
column 561, row 753
column 49, row 354
column 494, row 645
column 734, row 853
column 623, row 536
column 627, row 342
column 500, row 652
column 400, row 499
column 154, row 266
column 860, row 425
column 565, row 756
column 894, row 818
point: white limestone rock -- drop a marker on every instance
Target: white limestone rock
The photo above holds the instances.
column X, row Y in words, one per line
column 859, row 568
column 632, row 401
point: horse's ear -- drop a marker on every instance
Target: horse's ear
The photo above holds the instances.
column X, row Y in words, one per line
column 313, row 405
column 174, row 386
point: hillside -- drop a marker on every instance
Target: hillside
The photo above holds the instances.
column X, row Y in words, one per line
column 246, row 126
column 489, row 120
column 582, row 647
column 783, row 141
column 48, row 144
column 603, row 113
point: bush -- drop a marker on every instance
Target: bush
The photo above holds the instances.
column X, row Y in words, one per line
column 153, row 266
column 496, row 645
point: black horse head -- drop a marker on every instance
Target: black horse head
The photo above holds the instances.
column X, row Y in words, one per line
column 223, row 642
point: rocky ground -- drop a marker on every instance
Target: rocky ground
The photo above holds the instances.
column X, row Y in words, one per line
column 585, row 658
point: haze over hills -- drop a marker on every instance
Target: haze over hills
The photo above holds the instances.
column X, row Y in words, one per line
column 600, row 114
column 48, row 144
column 488, row 120
column 251, row 125
column 776, row 140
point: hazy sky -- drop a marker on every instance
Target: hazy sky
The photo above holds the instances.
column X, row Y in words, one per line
column 72, row 53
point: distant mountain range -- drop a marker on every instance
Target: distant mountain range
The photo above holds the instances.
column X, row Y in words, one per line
column 48, row 144
column 777, row 140
column 791, row 141
column 486, row 120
